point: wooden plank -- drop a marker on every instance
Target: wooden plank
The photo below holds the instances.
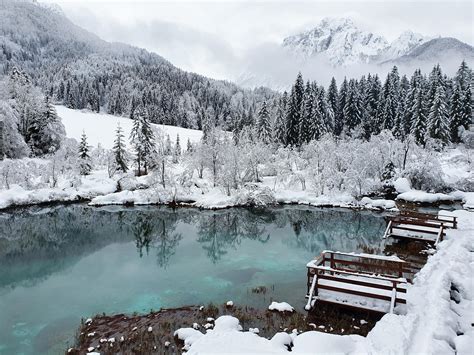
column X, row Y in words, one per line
column 350, row 306
column 360, row 283
column 414, row 229
column 412, row 237
column 373, row 266
column 359, row 293
column 411, row 221
column 451, row 220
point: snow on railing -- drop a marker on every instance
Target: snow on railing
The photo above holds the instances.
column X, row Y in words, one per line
column 387, row 231
column 311, row 292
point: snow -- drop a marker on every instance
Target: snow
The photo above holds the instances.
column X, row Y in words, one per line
column 378, row 204
column 230, row 304
column 98, row 183
column 430, row 326
column 425, row 197
column 402, row 185
column 280, row 307
column 100, row 128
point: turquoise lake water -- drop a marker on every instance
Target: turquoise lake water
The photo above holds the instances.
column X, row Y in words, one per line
column 62, row 263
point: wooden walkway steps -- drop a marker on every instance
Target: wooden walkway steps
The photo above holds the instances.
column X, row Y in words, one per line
column 363, row 281
column 419, row 226
column 374, row 282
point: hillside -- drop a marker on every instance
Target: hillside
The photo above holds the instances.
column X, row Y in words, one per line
column 100, row 128
column 80, row 70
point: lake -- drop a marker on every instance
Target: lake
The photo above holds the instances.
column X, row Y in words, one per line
column 61, row 263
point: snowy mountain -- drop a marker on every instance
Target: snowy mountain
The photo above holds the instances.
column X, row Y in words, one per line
column 340, row 40
column 338, row 48
column 438, row 50
column 407, row 41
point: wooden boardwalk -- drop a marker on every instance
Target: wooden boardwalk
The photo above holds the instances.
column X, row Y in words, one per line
column 373, row 282
column 419, row 226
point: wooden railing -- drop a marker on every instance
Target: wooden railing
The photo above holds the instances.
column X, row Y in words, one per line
column 365, row 274
column 447, row 221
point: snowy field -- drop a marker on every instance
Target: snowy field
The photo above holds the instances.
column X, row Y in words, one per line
column 100, row 127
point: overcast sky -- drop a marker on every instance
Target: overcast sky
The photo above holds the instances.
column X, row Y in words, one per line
column 214, row 37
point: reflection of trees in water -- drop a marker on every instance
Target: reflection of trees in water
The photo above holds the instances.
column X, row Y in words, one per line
column 316, row 230
column 220, row 230
column 36, row 242
column 157, row 232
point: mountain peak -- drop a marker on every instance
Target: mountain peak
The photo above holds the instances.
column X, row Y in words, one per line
column 339, row 39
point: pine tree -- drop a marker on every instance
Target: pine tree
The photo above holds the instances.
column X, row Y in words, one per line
column 353, row 107
column 464, row 76
column 189, row 146
column 438, row 116
column 332, row 96
column 85, row 166
column 44, row 129
column 418, row 116
column 279, row 129
column 263, row 124
column 339, row 118
column 142, row 139
column 177, row 150
column 120, row 153
column 460, row 112
column 307, row 123
column 293, row 115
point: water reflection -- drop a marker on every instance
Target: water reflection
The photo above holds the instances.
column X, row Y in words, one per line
column 61, row 236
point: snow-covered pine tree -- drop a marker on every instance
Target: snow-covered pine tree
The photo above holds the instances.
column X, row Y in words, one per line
column 435, row 80
column 353, row 107
column 339, row 117
column 307, row 122
column 418, row 117
column 189, row 146
column 279, row 128
column 168, row 148
column 438, row 126
column 417, row 84
column 177, row 150
column 325, row 110
column 460, row 111
column 464, row 76
column 263, row 124
column 332, row 96
column 120, row 153
column 85, row 166
column 142, row 139
column 293, row 114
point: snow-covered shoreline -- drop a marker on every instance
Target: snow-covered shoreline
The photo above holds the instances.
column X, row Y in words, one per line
column 100, row 190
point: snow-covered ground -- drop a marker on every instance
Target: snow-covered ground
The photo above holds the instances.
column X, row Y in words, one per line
column 29, row 181
column 100, row 127
column 439, row 317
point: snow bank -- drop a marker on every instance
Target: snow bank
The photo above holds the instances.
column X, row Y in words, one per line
column 100, row 128
column 439, row 307
column 402, row 185
column 280, row 307
column 378, row 204
column 424, row 197
column 90, row 186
